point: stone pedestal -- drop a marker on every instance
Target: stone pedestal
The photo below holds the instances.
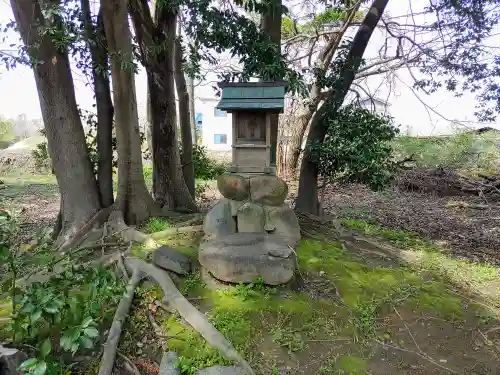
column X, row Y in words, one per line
column 251, row 232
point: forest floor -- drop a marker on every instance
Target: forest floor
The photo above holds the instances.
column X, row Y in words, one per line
column 410, row 285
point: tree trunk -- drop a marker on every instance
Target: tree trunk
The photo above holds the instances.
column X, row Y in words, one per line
column 96, row 40
column 270, row 25
column 294, row 146
column 307, row 199
column 169, row 187
column 65, row 135
column 133, row 198
column 148, row 131
column 184, row 119
column 309, row 106
column 192, row 110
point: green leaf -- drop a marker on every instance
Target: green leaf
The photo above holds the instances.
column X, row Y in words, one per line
column 74, row 347
column 66, row 342
column 27, row 308
column 91, row 332
column 46, row 348
column 86, row 342
column 36, row 315
column 40, row 368
column 28, row 364
column 87, row 321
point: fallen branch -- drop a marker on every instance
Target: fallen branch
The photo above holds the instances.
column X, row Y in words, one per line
column 172, row 231
column 188, row 312
column 423, row 356
column 109, row 354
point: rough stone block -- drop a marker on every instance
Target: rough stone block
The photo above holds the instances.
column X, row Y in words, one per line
column 169, row 259
column 268, row 190
column 244, row 257
column 283, row 222
column 233, row 186
column 251, row 218
column 219, row 221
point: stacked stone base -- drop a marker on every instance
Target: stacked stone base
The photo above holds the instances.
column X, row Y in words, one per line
column 250, row 233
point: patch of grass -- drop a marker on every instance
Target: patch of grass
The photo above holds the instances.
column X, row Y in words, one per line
column 426, row 256
column 192, row 284
column 155, row 224
column 194, row 352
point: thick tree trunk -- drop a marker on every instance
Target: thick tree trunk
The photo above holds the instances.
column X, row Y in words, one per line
column 148, row 131
column 298, row 131
column 169, row 187
column 133, row 198
column 184, row 119
column 96, row 40
column 307, row 199
column 271, row 25
column 192, row 110
column 65, row 135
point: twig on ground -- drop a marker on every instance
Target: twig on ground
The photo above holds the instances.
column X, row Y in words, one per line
column 492, row 330
column 109, row 354
column 132, row 367
column 423, row 356
column 177, row 230
column 122, row 268
column 409, row 330
column 104, row 234
column 188, row 312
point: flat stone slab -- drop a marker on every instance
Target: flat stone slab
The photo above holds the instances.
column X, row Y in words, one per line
column 221, row 370
column 172, row 260
column 244, row 257
column 10, row 360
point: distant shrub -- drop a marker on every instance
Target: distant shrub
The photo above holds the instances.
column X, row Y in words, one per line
column 205, row 167
column 41, row 155
column 466, row 150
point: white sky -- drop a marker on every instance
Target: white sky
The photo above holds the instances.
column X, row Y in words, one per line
column 18, row 92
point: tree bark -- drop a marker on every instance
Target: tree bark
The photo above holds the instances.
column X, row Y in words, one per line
column 169, row 187
column 309, row 106
column 96, row 41
column 192, row 110
column 149, row 113
column 184, row 119
column 270, row 25
column 133, row 199
column 63, row 126
column 307, row 199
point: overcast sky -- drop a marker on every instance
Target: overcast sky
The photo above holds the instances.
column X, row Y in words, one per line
column 18, row 92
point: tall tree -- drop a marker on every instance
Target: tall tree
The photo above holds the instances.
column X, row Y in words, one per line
column 65, row 136
column 307, row 199
column 270, row 25
column 186, row 117
column 96, row 40
column 157, row 45
column 133, row 200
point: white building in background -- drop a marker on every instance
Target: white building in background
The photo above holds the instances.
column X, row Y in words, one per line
column 213, row 125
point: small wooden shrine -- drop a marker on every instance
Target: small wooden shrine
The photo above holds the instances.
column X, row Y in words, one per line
column 252, row 105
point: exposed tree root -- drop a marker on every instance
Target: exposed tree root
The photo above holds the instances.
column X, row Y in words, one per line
column 188, row 312
column 172, row 231
column 109, row 354
column 128, row 234
column 97, row 220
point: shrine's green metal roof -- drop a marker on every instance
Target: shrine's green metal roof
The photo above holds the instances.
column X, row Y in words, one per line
column 253, row 96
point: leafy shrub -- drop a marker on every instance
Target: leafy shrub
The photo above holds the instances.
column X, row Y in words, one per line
column 63, row 315
column 41, row 155
column 206, row 168
column 357, row 148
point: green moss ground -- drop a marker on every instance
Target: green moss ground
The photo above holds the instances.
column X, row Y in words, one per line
column 281, row 328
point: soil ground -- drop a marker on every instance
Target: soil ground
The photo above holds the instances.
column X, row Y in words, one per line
column 411, row 285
